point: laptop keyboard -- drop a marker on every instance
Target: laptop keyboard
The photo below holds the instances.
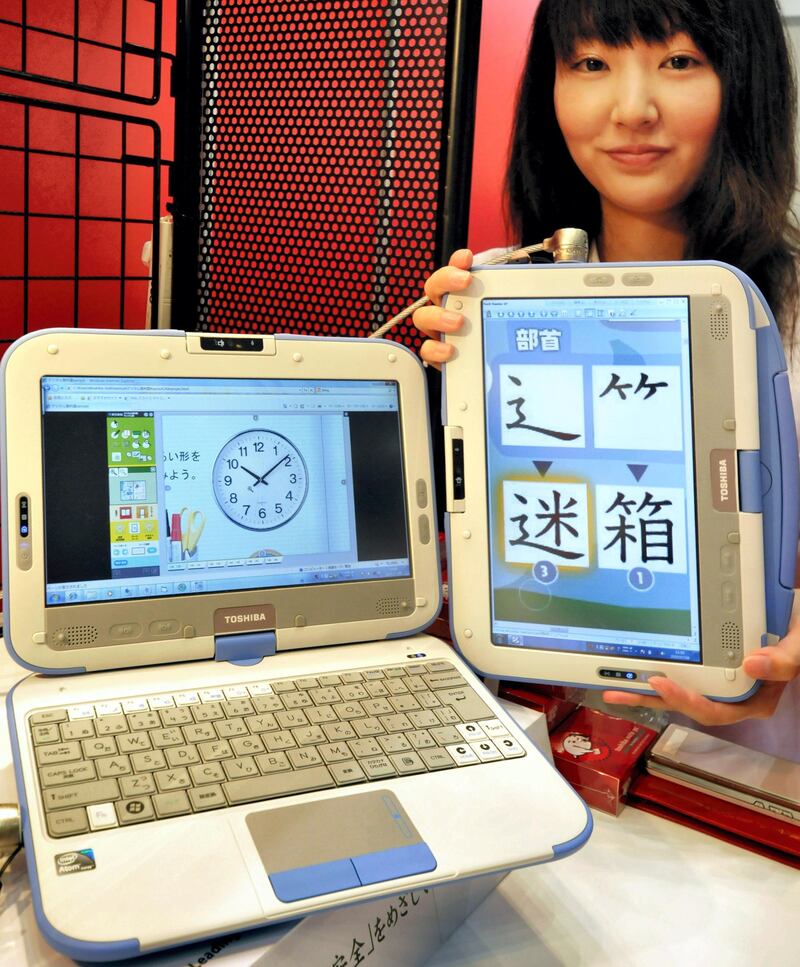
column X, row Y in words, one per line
column 118, row 763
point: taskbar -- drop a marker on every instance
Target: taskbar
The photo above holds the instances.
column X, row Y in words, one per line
column 537, row 642
column 119, row 590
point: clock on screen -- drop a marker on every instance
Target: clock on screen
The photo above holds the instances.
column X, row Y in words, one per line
column 260, row 479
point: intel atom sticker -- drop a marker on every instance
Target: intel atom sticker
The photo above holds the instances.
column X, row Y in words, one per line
column 75, row 862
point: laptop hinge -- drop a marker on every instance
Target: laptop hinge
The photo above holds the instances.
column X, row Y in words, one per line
column 245, row 649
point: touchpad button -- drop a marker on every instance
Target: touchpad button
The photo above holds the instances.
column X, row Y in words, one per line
column 315, row 848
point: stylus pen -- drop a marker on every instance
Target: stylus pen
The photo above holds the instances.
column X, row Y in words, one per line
column 566, row 245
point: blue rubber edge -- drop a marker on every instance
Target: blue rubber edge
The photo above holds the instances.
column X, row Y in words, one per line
column 751, row 482
column 77, row 949
column 247, row 648
column 778, row 453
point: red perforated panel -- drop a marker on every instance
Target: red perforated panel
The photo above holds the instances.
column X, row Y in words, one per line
column 320, row 163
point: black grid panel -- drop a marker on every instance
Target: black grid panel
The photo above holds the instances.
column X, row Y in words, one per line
column 107, row 47
column 79, row 196
column 320, row 163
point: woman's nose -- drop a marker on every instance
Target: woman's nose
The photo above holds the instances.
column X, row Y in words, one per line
column 635, row 104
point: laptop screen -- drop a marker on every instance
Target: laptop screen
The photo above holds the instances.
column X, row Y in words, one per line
column 591, row 476
column 176, row 486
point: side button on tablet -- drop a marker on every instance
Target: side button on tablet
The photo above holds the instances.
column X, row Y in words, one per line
column 727, row 560
column 729, row 597
column 424, row 530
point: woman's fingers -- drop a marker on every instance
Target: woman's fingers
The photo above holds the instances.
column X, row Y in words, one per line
column 435, row 352
column 673, row 697
column 432, row 320
column 451, row 278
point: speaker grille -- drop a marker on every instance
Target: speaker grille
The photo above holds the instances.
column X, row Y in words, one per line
column 720, row 324
column 387, row 607
column 76, row 636
column 321, row 149
column 731, row 637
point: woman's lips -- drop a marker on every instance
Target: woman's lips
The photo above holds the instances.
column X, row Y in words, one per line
column 637, row 156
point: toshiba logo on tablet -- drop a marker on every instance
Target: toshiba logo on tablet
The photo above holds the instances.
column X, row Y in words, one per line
column 723, row 480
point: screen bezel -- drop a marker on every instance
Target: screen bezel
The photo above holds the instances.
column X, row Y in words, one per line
column 77, row 637
column 722, row 419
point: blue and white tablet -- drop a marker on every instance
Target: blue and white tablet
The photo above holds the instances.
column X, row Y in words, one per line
column 622, row 475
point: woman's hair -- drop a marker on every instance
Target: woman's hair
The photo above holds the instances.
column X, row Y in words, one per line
column 739, row 211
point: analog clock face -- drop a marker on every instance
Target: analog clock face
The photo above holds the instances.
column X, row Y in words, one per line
column 260, row 479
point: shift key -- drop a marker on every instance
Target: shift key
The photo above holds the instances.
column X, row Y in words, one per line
column 277, row 784
column 466, row 703
column 84, row 794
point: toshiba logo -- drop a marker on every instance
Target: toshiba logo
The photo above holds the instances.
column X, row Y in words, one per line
column 235, row 619
column 723, row 479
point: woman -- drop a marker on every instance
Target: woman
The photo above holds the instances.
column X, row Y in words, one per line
column 666, row 131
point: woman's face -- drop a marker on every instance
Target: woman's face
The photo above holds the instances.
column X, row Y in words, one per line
column 639, row 121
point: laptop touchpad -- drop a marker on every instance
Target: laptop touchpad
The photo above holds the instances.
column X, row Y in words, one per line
column 338, row 844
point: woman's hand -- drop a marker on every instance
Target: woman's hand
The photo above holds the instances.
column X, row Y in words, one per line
column 433, row 320
column 774, row 665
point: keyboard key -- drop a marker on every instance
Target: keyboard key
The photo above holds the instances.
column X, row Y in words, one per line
column 65, row 797
column 240, row 768
column 131, row 811
column 273, row 762
column 207, row 772
column 347, row 773
column 48, row 716
column 303, row 758
column 407, row 763
column 60, row 775
column 462, row 754
column 206, row 797
column 102, row 816
column 111, row 724
column 335, row 752
column 63, row 752
column 466, row 703
column 114, row 765
column 171, row 804
column 45, row 734
column 277, row 784
column 67, row 822
column 378, row 767
column 81, row 729
column 486, row 750
column 437, row 759
column 133, row 787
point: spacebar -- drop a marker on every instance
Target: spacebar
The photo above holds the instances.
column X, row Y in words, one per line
column 277, row 784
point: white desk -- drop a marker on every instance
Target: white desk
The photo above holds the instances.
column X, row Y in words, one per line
column 643, row 891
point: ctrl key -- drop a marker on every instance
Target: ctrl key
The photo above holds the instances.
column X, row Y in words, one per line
column 67, row 822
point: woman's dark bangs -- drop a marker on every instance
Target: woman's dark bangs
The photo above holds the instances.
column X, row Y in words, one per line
column 618, row 23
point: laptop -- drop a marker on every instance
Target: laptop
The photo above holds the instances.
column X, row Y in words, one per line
column 220, row 553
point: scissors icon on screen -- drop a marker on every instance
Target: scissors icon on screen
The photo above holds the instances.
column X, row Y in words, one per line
column 192, row 524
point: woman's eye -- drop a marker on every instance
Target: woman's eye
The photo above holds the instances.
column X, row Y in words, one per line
column 681, row 62
column 590, row 65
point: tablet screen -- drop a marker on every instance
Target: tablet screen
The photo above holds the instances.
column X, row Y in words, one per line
column 591, row 476
column 159, row 487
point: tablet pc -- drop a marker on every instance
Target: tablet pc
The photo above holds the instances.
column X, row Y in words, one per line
column 622, row 475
